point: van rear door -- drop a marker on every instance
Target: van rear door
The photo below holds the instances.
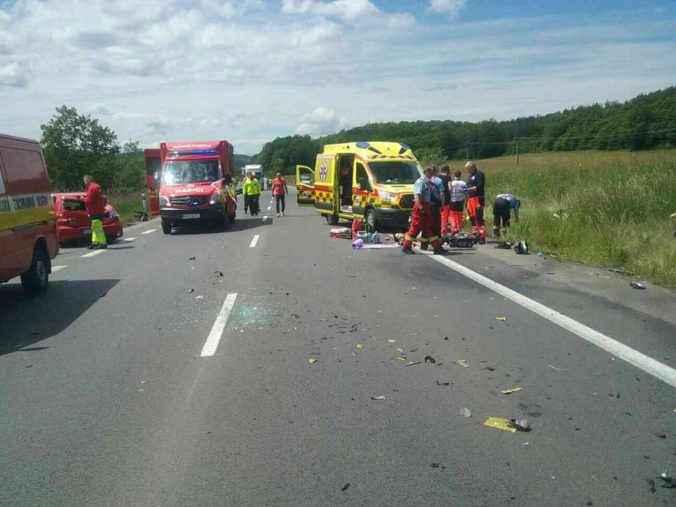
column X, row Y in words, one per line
column 305, row 186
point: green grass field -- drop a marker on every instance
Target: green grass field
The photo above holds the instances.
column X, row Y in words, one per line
column 127, row 203
column 617, row 207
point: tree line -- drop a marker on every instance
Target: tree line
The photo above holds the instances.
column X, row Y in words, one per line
column 645, row 122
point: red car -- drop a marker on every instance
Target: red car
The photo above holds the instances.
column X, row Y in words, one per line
column 72, row 221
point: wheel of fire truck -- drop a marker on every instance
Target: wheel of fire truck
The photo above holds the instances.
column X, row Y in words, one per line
column 166, row 227
column 370, row 218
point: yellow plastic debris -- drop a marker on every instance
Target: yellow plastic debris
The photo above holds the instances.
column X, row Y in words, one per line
column 401, row 351
column 401, row 358
column 510, row 391
column 312, row 360
column 360, row 345
column 463, row 363
column 392, row 340
column 501, row 317
column 499, row 423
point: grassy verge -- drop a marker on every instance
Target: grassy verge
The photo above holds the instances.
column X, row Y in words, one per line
column 127, row 203
column 617, row 207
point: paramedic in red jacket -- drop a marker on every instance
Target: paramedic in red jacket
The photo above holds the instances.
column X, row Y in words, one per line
column 96, row 209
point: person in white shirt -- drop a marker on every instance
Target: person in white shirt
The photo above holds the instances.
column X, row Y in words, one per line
column 458, row 190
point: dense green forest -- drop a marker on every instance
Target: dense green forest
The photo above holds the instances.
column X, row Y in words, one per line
column 644, row 122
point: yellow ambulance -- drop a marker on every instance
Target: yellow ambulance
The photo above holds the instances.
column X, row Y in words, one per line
column 372, row 181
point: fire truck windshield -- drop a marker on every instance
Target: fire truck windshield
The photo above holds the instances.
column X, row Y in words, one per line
column 189, row 171
column 395, row 172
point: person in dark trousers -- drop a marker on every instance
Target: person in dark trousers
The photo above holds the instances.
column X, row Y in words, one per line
column 436, row 205
column 279, row 190
column 458, row 189
column 95, row 203
column 445, row 177
column 252, row 192
column 476, row 200
column 502, row 207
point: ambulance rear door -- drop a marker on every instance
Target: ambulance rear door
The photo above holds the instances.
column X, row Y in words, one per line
column 305, row 186
column 326, row 185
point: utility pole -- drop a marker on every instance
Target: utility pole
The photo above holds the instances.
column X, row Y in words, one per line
column 517, row 151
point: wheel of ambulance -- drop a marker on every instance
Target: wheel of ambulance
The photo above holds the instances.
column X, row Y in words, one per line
column 36, row 279
column 166, row 227
column 370, row 217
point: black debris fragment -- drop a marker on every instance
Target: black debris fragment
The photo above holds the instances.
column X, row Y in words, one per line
column 651, row 483
column 443, row 383
column 435, row 465
column 661, row 435
column 192, row 258
column 430, row 359
column 519, row 424
column 344, row 488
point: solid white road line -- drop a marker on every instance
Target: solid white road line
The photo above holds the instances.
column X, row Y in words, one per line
column 633, row 357
column 254, row 241
column 56, row 269
column 217, row 329
column 149, row 231
column 92, row 253
column 128, row 239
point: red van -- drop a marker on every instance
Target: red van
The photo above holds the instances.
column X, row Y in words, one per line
column 27, row 219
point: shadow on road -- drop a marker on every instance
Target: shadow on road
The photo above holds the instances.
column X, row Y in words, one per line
column 27, row 320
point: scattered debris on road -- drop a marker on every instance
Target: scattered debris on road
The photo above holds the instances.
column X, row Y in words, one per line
column 511, row 391
column 501, row 318
column 392, row 340
column 667, row 480
column 360, row 346
column 463, row 363
column 430, row 359
column 519, row 424
column 465, row 412
column 312, row 360
column 443, row 383
column 558, row 369
column 190, row 291
column 199, row 297
column 638, row 285
column 651, row 483
column 378, row 398
column 412, row 363
column 192, row 258
column 499, row 423
column 344, row 488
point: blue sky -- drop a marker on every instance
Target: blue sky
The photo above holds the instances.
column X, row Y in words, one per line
column 251, row 70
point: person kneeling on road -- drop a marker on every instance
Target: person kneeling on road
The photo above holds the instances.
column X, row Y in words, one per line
column 421, row 217
column 95, row 204
column 501, row 212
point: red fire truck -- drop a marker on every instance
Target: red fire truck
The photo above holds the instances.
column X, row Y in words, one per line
column 153, row 170
column 191, row 187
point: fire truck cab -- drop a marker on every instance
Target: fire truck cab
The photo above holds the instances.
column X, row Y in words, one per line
column 372, row 181
column 191, row 187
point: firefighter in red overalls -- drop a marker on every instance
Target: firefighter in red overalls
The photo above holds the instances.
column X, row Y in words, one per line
column 421, row 218
column 476, row 200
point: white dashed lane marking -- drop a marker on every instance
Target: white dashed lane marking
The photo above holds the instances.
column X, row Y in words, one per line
column 254, row 241
column 149, row 231
column 217, row 329
column 93, row 253
column 128, row 239
column 56, row 269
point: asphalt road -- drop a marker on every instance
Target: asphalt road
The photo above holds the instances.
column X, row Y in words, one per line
column 109, row 395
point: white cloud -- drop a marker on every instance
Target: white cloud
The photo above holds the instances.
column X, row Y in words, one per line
column 319, row 122
column 349, row 11
column 451, row 7
column 13, row 75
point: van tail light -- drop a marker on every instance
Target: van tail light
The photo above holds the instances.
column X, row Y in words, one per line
column 62, row 219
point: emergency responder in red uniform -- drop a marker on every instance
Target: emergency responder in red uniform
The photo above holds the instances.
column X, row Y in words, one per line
column 95, row 204
column 476, row 200
column 421, row 217
column 445, row 176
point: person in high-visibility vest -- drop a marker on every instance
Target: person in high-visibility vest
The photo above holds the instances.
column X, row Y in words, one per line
column 95, row 203
column 476, row 200
column 252, row 191
column 421, row 217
